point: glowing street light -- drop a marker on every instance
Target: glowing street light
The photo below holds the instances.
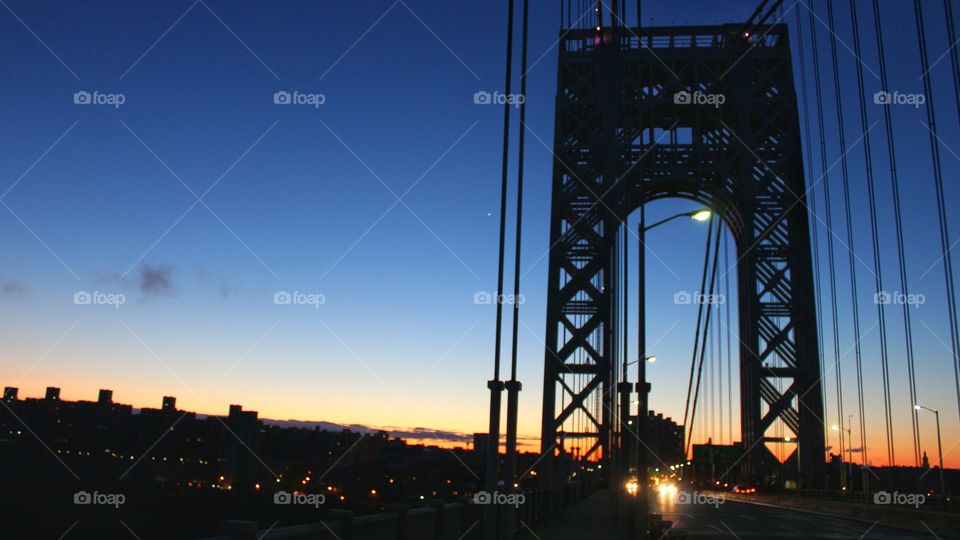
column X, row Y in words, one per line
column 943, row 492
column 701, row 215
column 649, row 359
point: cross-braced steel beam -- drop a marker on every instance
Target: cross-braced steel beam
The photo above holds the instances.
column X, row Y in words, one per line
column 708, row 114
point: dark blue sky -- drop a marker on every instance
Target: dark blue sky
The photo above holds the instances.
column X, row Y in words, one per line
column 302, row 198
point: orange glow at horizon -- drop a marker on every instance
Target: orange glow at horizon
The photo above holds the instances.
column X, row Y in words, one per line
column 140, row 395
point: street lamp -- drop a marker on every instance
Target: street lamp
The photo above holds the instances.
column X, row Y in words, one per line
column 643, row 387
column 943, row 491
column 701, row 215
column 843, row 469
column 650, row 359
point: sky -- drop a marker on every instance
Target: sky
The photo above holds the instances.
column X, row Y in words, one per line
column 184, row 191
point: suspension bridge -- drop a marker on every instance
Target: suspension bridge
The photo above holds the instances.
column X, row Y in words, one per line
column 781, row 130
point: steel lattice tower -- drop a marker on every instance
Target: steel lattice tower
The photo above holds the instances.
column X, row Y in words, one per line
column 623, row 138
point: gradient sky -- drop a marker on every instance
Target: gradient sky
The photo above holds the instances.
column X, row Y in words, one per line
column 302, row 198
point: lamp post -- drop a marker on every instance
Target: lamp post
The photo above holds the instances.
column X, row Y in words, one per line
column 848, row 429
column 943, row 486
column 843, row 467
column 643, row 387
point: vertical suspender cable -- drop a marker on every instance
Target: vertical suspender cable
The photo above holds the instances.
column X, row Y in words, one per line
column 707, row 365
column 513, row 386
column 729, row 332
column 706, row 324
column 875, row 239
column 626, row 297
column 941, row 204
column 955, row 66
column 848, row 211
column 954, row 54
column 519, row 225
column 503, row 196
column 696, row 335
column 720, row 358
column 898, row 222
column 496, row 385
column 812, row 196
column 830, row 257
column 718, row 362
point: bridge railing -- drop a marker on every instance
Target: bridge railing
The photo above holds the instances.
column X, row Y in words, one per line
column 675, row 37
column 438, row 521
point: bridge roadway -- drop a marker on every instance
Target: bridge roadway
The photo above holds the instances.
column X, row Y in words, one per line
column 595, row 519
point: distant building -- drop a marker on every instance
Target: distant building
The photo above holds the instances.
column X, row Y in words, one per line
column 480, row 442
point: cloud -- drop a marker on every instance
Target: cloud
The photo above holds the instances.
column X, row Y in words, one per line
column 421, row 433
column 411, row 434
column 11, row 289
column 225, row 288
column 156, row 280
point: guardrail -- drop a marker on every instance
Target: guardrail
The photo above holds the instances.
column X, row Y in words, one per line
column 438, row 521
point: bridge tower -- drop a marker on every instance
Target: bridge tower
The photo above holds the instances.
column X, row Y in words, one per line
column 638, row 119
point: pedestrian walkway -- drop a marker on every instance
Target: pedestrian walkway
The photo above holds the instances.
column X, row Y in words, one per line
column 592, row 518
